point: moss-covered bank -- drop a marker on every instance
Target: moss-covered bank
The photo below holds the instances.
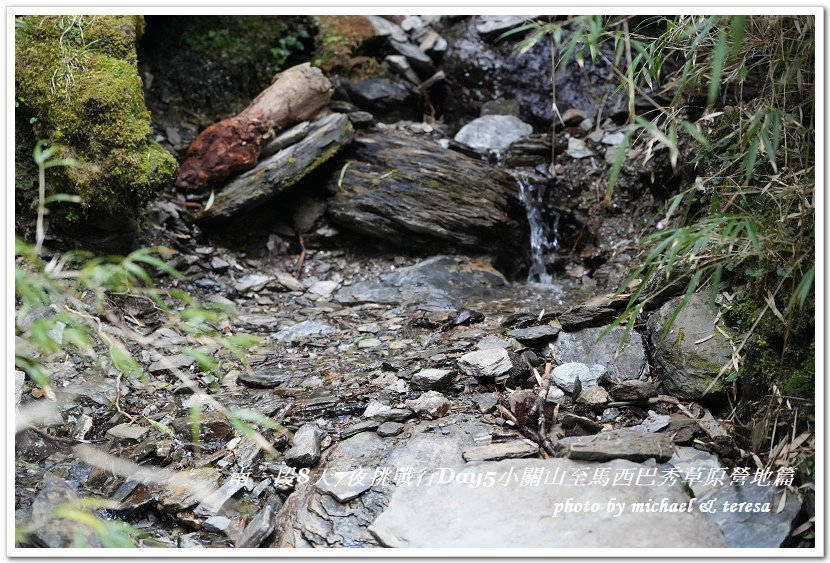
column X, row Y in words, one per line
column 78, row 77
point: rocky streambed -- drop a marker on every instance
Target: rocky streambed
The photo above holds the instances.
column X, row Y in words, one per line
column 424, row 394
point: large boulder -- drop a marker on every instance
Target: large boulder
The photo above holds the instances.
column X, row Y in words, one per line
column 412, row 192
column 691, row 351
column 589, row 346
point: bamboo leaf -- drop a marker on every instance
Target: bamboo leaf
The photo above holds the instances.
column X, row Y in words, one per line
column 718, row 58
column 619, row 158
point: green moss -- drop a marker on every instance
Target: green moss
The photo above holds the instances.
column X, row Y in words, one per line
column 339, row 42
column 78, row 77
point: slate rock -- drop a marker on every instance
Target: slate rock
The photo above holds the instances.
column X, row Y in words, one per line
column 303, row 331
column 357, row 428
column 493, row 132
column 577, row 148
column 754, row 529
column 633, row 390
column 178, row 361
column 453, row 514
column 501, row 450
column 431, row 403
column 593, row 397
column 432, row 378
column 597, row 311
column 653, row 423
column 689, row 368
column 565, row 375
column 361, row 119
column 386, row 98
column 535, row 334
column 617, row 444
column 586, row 346
column 219, row 524
column 345, row 485
column 262, row 524
column 384, row 413
column 388, row 429
column 266, row 379
column 214, row 502
column 419, row 60
column 128, row 432
column 486, row 364
column 45, row 528
column 491, row 27
column 305, row 450
column 252, row 282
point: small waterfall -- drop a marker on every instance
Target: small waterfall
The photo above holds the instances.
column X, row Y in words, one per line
column 543, row 233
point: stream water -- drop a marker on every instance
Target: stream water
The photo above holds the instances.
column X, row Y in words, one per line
column 543, row 230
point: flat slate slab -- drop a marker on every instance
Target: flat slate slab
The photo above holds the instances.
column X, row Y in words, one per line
column 452, row 512
column 617, row 444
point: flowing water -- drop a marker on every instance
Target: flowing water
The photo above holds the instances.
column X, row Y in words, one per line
column 543, row 230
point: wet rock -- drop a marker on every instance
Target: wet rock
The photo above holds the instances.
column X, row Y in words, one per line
column 385, row 98
column 654, row 423
column 45, row 528
column 633, row 390
column 431, row 403
column 323, row 288
column 565, row 375
column 594, row 312
column 305, row 449
column 361, row 119
column 128, row 432
column 493, row 132
column 577, row 148
column 586, row 346
column 219, row 265
column 388, row 429
column 418, row 516
column 754, row 529
column 214, row 502
column 486, row 402
column 689, row 358
column 432, row 378
column 306, row 330
column 283, row 170
column 412, row 192
column 287, row 138
column 535, row 334
column 261, row 525
column 501, row 450
column 486, row 364
column 593, row 397
column 384, row 413
column 266, row 379
column 617, row 444
column 440, row 282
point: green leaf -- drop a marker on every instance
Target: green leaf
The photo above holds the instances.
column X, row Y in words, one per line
column 718, row 58
column 698, row 136
column 125, row 362
column 163, row 428
column 805, row 286
column 62, row 197
column 749, row 159
column 206, row 363
column 619, row 158
column 737, row 29
column 256, row 417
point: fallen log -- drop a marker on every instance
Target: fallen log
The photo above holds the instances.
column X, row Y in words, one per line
column 232, row 146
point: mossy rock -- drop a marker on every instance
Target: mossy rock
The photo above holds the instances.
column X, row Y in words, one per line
column 78, row 77
column 344, row 45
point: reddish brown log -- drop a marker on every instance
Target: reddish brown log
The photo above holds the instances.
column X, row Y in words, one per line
column 232, row 146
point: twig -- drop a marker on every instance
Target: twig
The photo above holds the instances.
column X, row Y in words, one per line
column 301, row 259
column 526, row 431
column 118, row 398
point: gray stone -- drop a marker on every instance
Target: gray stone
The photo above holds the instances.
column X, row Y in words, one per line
column 431, row 403
column 252, row 282
column 617, row 444
column 501, row 450
column 412, row 24
column 613, row 139
column 267, row 379
column 500, row 107
column 345, row 485
column 289, row 282
column 577, row 148
column 219, row 264
column 753, row 529
column 419, row 60
column 388, row 429
column 633, row 390
column 361, row 119
column 689, row 358
column 597, row 311
column 214, row 502
column 219, row 524
column 387, row 97
column 432, row 378
column 565, row 375
column 262, row 524
column 688, row 460
column 45, row 528
column 306, row 330
column 654, row 423
column 19, row 379
column 452, row 513
column 288, row 137
column 491, row 27
column 363, row 426
column 586, row 346
column 400, row 65
column 573, row 117
column 493, row 132
column 535, row 334
column 384, row 413
column 486, row 364
column 486, row 401
column 593, row 397
column 313, row 518
column 323, row 288
column 127, row 431
column 178, row 361
column 369, row 343
column 385, row 28
column 492, row 341
column 305, row 449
